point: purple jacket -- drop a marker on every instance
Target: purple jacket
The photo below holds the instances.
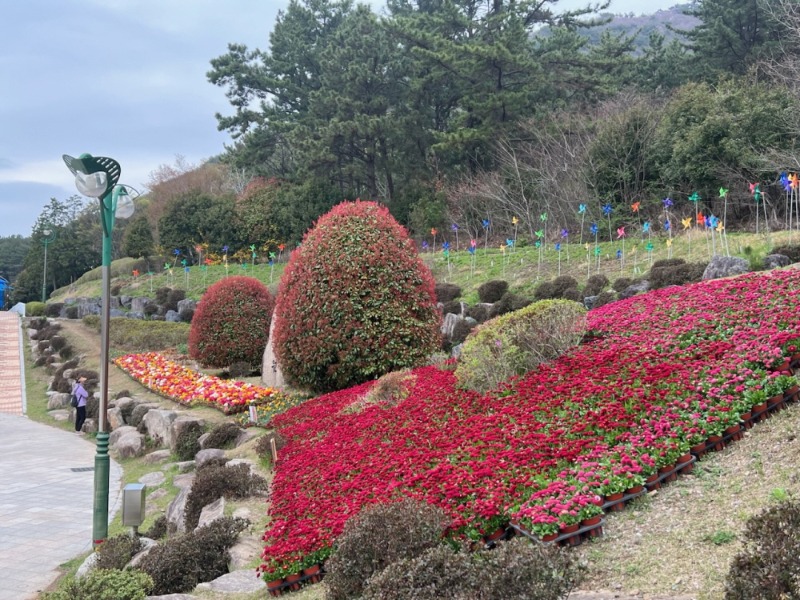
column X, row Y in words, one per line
column 81, row 393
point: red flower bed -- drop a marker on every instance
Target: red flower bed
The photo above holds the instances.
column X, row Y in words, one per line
column 663, row 371
column 186, row 386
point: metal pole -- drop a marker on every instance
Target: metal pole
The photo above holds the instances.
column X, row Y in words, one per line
column 101, row 459
column 44, row 275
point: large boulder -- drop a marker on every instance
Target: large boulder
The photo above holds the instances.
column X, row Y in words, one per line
column 158, row 425
column 125, row 301
column 211, row 512
column 634, row 289
column 57, row 400
column 115, row 419
column 157, row 456
column 186, row 305
column 725, row 266
column 176, row 511
column 237, row 582
column 774, row 261
column 178, row 425
column 243, row 551
column 117, row 434
column 172, row 316
column 129, row 445
column 204, row 456
column 138, row 303
column 271, row 375
column 84, row 306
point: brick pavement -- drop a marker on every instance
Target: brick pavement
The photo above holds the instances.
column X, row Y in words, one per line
column 12, row 401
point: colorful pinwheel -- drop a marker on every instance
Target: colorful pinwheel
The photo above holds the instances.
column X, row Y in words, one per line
column 135, row 273
column 582, row 213
column 607, row 210
column 635, row 206
column 687, row 223
column 486, row 224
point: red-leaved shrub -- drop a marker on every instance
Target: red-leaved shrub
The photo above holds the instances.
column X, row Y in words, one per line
column 231, row 323
column 355, row 301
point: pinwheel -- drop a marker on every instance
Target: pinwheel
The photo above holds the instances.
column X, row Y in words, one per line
column 669, row 247
column 485, row 223
column 185, row 265
column 271, row 257
column 635, row 206
column 565, row 237
column 135, row 273
column 446, row 252
column 280, row 250
column 253, row 253
column 433, row 233
column 755, row 191
column 607, row 210
column 621, row 236
column 176, row 253
column 514, row 222
column 199, row 249
column 667, row 204
column 687, row 223
column 695, row 197
column 454, row 229
column 471, row 250
column 168, row 271
column 204, row 269
column 225, row 258
column 425, row 244
column 582, row 213
column 595, row 230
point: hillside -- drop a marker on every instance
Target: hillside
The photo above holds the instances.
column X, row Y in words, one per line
column 664, row 22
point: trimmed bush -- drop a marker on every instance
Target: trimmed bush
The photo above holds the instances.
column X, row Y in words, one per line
column 231, row 323
column 508, row 303
column 668, row 262
column 446, row 292
column 545, row 291
column 162, row 294
column 492, row 291
column 767, row 566
column 179, row 564
column 173, row 298
column 187, row 444
column 213, row 481
column 150, row 309
column 679, row 274
column 595, row 284
column 53, row 309
column 116, row 552
column 479, row 312
column 792, row 251
column 222, row 435
column 452, row 307
column 604, row 298
column 563, row 283
column 375, row 538
column 572, row 294
column 515, row 343
column 34, row 309
column 620, row 284
column 461, row 330
column 516, row 570
column 158, row 529
column 105, row 584
column 355, row 301
column 263, row 445
column 71, row 312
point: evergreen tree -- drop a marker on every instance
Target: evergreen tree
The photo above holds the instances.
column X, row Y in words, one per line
column 138, row 239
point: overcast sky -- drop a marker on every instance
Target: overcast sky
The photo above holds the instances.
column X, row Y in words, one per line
column 125, row 79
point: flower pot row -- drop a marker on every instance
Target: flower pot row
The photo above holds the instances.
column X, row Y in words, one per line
column 312, row 574
column 571, row 535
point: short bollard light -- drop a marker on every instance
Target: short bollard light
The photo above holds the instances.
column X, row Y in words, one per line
column 133, row 505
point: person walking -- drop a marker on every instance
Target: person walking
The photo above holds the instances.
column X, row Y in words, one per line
column 80, row 411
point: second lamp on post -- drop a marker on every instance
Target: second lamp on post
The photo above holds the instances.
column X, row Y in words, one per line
column 98, row 177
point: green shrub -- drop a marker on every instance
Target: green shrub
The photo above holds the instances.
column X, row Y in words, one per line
column 187, row 444
column 180, row 563
column 355, row 301
column 116, row 552
column 452, row 307
column 595, row 284
column 479, row 312
column 116, row 289
column 222, row 435
column 263, row 445
column 173, row 298
column 71, row 312
column 150, row 309
column 515, row 570
column 446, row 292
column 213, row 481
column 53, row 309
column 508, row 303
column 158, row 529
column 461, row 330
column 545, row 291
column 790, row 250
column 231, row 323
column 186, row 315
column 105, row 584
column 515, row 343
column 92, row 321
column 492, row 291
column 34, row 309
column 667, row 262
column 604, row 298
column 563, row 283
column 675, row 274
column 620, row 284
column 572, row 294
column 375, row 538
column 162, row 294
column 767, row 567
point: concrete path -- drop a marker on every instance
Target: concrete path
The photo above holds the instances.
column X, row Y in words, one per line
column 46, row 487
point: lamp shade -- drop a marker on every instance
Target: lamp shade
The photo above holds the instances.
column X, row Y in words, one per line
column 124, row 207
column 92, row 185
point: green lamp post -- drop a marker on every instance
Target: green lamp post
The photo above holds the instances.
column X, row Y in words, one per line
column 48, row 236
column 97, row 177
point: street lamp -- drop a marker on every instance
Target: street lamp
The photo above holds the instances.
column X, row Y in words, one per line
column 49, row 236
column 97, row 177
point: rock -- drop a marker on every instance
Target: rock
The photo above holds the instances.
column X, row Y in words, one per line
column 116, row 312
column 147, row 546
column 202, row 440
column 129, row 445
column 172, row 317
column 184, row 466
column 84, row 306
column 155, row 495
column 211, row 512
column 725, row 266
column 115, row 435
column 59, row 415
column 138, row 303
column 138, row 413
column 135, row 315
column 773, row 261
column 242, row 552
column 238, row 582
column 115, row 419
column 245, row 436
column 455, row 351
column 244, row 513
column 86, row 566
column 154, row 479
column 449, row 323
column 183, row 481
column 636, row 288
column 89, row 426
column 204, row 456
column 186, row 304
column 178, row 425
column 470, row 321
column 589, row 301
column 271, row 374
column 158, row 425
column 57, row 400
column 176, row 511
column 125, row 301
column 159, row 456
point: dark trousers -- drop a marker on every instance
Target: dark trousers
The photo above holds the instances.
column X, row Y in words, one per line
column 80, row 417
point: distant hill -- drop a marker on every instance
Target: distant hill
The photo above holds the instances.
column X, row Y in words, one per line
column 643, row 25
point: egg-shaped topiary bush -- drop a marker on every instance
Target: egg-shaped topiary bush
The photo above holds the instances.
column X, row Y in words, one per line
column 355, row 301
column 231, row 322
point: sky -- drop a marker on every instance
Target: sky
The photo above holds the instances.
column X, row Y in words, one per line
column 124, row 79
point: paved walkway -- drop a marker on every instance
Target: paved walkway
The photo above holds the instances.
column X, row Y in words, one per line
column 46, row 486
